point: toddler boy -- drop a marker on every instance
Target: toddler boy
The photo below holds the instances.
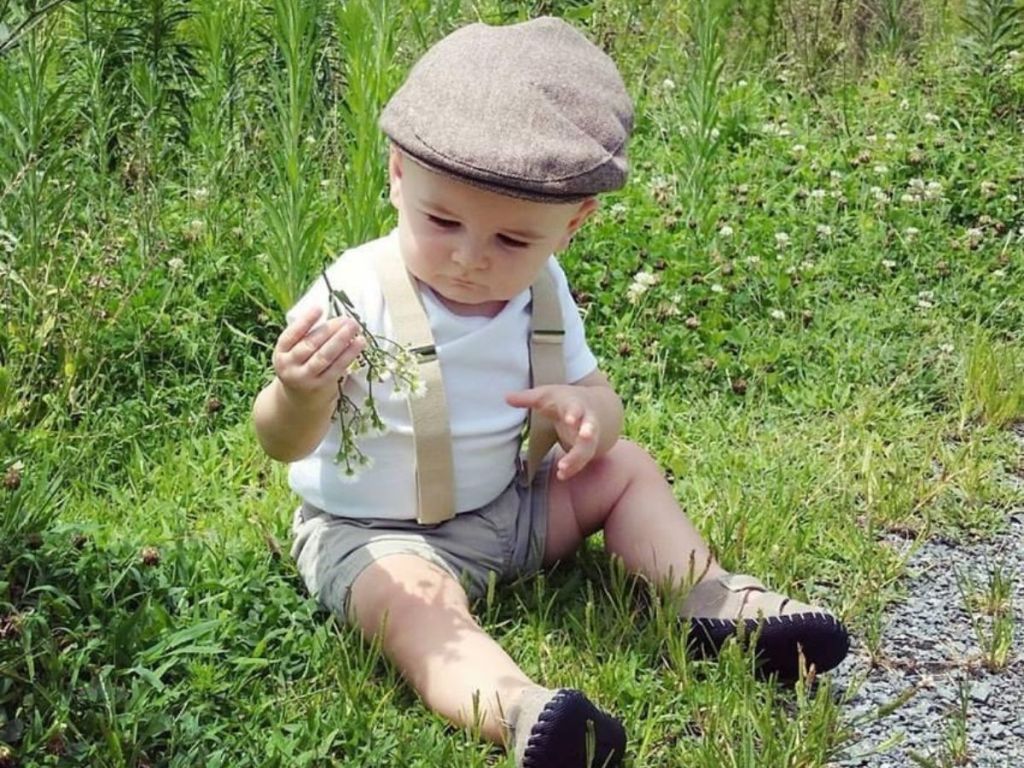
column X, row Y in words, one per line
column 501, row 138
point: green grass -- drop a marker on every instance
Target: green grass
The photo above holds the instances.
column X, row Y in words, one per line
column 831, row 353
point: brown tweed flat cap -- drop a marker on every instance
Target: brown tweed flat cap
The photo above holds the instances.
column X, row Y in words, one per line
column 531, row 110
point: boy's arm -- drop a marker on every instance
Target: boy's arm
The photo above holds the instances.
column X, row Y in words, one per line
column 287, row 427
column 293, row 412
column 587, row 416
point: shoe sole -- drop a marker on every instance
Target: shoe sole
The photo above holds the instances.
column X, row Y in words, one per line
column 559, row 738
column 821, row 639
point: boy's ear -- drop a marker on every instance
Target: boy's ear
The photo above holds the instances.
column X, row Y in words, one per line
column 584, row 212
column 395, row 175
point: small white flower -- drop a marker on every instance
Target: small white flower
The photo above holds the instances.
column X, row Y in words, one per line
column 888, row 263
column 916, row 184
column 999, row 273
column 777, row 314
column 755, row 260
column 890, row 137
column 726, row 231
column 904, row 105
column 799, row 149
column 743, row 83
column 871, row 138
column 642, row 281
column 817, row 194
column 668, row 84
column 807, row 265
column 716, row 288
column 618, row 210
column 926, row 300
column 781, row 239
column 176, row 264
column 946, row 349
column 1011, row 198
column 975, row 235
column 200, row 195
column 908, row 198
column 988, row 188
column 931, row 118
column 881, row 169
column 835, row 175
column 824, row 230
column 911, row 232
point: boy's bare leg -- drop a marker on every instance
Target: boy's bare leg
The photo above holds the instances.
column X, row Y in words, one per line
column 434, row 641
column 625, row 492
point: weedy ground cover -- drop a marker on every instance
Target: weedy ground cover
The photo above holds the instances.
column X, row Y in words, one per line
column 810, row 297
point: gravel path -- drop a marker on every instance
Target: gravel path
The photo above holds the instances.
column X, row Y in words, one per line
column 932, row 654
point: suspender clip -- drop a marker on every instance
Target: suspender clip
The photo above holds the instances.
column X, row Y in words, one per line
column 425, row 353
column 543, row 336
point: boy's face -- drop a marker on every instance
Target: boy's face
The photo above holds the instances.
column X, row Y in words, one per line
column 476, row 249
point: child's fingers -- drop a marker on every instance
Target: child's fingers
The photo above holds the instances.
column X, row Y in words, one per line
column 338, row 341
column 341, row 364
column 298, row 328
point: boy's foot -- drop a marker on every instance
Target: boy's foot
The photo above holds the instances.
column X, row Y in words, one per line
column 563, row 729
column 789, row 629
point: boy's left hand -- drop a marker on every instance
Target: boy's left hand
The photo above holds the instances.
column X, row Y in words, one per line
column 574, row 417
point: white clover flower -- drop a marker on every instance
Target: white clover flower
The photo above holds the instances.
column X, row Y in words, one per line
column 835, row 175
column 817, row 194
column 743, row 83
column 642, row 282
column 824, row 230
column 200, row 195
column 715, row 133
column 999, row 274
column 1011, row 198
column 807, row 265
column 946, row 349
column 755, row 260
column 716, row 288
column 8, row 242
column 933, row 191
column 726, row 231
column 781, row 239
column 975, row 235
column 888, row 263
column 926, row 300
column 668, row 84
column 176, row 264
column 880, row 196
column 906, row 197
column 777, row 314
column 916, row 184
column 904, row 105
column 911, row 232
column 618, row 210
column 871, row 138
column 890, row 137
column 799, row 149
column 988, row 188
column 881, row 169
column 931, row 118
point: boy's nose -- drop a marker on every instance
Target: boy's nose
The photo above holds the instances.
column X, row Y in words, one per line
column 468, row 255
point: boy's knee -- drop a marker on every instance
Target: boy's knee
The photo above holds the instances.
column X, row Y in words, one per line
column 399, row 588
column 631, row 459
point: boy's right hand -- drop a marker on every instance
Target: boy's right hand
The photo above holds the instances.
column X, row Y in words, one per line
column 309, row 361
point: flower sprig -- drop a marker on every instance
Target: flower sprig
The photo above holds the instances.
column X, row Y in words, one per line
column 382, row 359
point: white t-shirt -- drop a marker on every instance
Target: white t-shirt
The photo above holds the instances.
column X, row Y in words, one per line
column 482, row 359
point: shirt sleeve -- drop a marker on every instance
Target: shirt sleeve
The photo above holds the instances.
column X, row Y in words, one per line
column 579, row 360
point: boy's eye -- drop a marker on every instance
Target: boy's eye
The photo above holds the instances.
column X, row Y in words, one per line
column 443, row 223
column 511, row 242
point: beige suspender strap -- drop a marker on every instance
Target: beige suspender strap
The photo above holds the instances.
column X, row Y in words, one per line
column 435, row 474
column 547, row 364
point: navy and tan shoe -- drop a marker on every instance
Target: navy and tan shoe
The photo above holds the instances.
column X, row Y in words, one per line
column 786, row 628
column 563, row 729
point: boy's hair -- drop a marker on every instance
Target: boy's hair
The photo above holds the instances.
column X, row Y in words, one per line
column 531, row 110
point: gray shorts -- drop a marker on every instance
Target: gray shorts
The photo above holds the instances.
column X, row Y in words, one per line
column 505, row 537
